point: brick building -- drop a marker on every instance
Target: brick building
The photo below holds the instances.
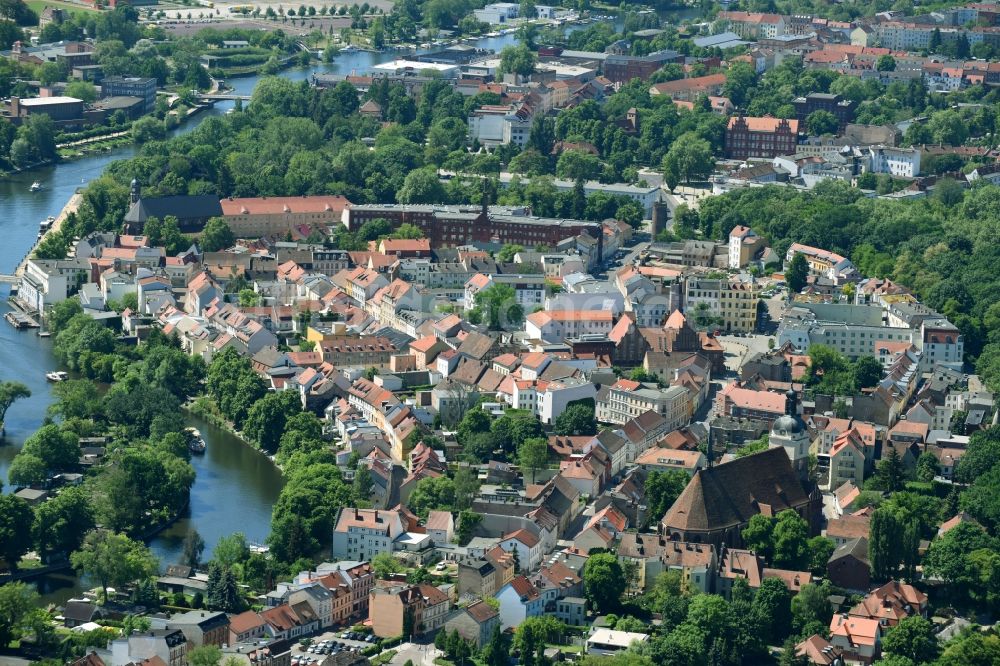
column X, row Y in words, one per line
column 624, row 68
column 748, row 137
column 842, row 109
column 450, row 226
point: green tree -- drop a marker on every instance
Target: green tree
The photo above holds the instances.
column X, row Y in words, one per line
column 148, row 129
column 533, row 454
column 890, row 474
column 971, row 649
column 62, row 522
column 422, row 186
column 497, row 306
column 192, row 548
column 662, row 490
column 798, row 271
column 17, row 601
column 821, row 122
column 811, row 609
column 885, row 63
column 11, row 391
column 914, row 638
column 55, row 448
column 249, row 298
column 385, row 565
column 506, row 253
column 205, row 655
column 867, row 372
column 603, row 581
column 265, row 422
column 363, row 484
column 820, row 549
column 577, row 419
column 407, row 231
column 432, row 494
column 518, row 60
column 216, row 235
column 221, row 592
column 771, row 610
column 689, row 157
column 82, row 90
column 791, row 533
column 885, row 544
column 468, row 521
column 27, row 470
column 113, row 559
column 231, row 550
column 578, row 165
column 927, row 467
column 15, row 529
column 758, row 536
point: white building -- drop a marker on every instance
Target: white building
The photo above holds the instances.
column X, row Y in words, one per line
column 498, row 12
column 607, row 642
column 557, row 325
column 49, row 281
column 403, row 67
column 494, row 125
column 626, row 399
column 558, row 394
column 529, row 290
column 733, row 301
column 360, row 534
column 901, row 162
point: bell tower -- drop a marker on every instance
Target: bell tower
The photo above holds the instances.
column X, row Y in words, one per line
column 790, row 433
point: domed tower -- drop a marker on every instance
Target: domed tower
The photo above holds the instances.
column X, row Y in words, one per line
column 789, row 432
column 136, row 191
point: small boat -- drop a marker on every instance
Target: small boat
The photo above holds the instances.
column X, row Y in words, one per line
column 47, row 223
column 348, row 49
column 195, row 442
column 35, row 186
column 57, row 376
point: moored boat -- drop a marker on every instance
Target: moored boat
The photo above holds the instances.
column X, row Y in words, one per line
column 195, row 442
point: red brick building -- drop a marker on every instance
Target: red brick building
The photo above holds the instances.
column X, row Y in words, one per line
column 760, row 137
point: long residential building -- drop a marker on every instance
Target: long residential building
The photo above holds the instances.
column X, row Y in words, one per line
column 269, row 216
column 451, row 226
column 731, row 301
column 626, row 399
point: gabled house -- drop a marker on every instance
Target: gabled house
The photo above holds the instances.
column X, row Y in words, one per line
column 475, row 623
column 519, row 600
column 526, row 546
column 891, row 603
column 860, row 639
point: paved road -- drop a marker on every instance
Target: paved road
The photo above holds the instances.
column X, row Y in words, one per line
column 420, row 655
column 739, row 349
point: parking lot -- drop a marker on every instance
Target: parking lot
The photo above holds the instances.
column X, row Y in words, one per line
column 330, row 642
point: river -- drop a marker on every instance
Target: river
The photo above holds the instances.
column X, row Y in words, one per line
column 235, row 486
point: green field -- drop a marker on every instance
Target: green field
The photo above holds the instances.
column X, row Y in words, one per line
column 38, row 5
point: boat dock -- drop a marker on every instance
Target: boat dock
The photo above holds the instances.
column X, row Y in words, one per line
column 21, row 320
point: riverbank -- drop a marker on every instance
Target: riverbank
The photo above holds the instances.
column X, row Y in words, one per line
column 71, row 207
column 205, row 408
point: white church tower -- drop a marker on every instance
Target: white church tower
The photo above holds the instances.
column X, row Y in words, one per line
column 790, row 433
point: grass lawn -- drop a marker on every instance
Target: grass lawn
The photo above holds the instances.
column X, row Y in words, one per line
column 39, row 5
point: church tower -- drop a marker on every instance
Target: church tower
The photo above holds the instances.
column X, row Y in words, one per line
column 790, row 433
column 136, row 191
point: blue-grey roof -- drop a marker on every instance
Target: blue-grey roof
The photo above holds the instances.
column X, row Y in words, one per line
column 724, row 40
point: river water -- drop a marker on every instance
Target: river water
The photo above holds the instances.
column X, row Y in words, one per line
column 235, row 486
